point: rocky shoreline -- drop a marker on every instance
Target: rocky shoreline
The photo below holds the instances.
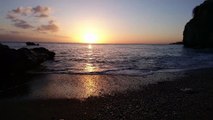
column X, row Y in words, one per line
column 15, row 63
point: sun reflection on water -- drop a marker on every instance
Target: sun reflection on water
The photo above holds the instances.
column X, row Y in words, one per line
column 91, row 85
column 89, row 66
column 89, row 46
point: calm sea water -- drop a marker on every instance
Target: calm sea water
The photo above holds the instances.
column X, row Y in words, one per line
column 121, row 59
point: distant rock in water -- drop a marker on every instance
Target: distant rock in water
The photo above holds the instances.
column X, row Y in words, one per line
column 177, row 43
column 32, row 44
column 198, row 31
column 18, row 61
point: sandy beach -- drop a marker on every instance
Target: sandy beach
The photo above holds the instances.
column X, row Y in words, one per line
column 185, row 95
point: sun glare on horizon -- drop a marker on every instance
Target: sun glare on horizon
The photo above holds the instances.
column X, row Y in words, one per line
column 90, row 38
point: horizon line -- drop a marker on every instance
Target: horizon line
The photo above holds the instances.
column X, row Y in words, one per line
column 88, row 43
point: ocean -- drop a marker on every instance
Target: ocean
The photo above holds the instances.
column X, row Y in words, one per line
column 133, row 60
column 81, row 71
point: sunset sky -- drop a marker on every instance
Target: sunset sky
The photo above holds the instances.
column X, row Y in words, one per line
column 95, row 21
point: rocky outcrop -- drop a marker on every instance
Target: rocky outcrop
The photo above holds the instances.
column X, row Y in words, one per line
column 177, row 43
column 18, row 61
column 198, row 31
column 32, row 44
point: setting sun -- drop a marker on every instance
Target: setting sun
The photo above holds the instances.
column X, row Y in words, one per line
column 90, row 38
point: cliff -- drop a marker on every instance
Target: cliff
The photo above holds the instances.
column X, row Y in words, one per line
column 198, row 32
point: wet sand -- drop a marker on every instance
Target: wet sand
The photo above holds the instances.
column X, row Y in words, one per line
column 184, row 95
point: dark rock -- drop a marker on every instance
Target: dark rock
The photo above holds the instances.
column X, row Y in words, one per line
column 44, row 53
column 32, row 44
column 198, row 32
column 15, row 63
column 18, row 61
column 177, row 43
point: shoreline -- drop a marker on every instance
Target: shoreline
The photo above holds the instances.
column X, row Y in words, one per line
column 183, row 95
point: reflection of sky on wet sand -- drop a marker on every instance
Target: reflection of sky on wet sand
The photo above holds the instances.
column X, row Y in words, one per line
column 64, row 86
column 90, row 87
column 80, row 86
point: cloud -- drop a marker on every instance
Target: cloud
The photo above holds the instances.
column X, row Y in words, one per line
column 22, row 11
column 38, row 11
column 50, row 27
column 24, row 17
column 2, row 29
column 33, row 38
column 11, row 16
column 41, row 11
column 13, row 32
column 17, row 21
column 22, row 24
column 15, row 37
